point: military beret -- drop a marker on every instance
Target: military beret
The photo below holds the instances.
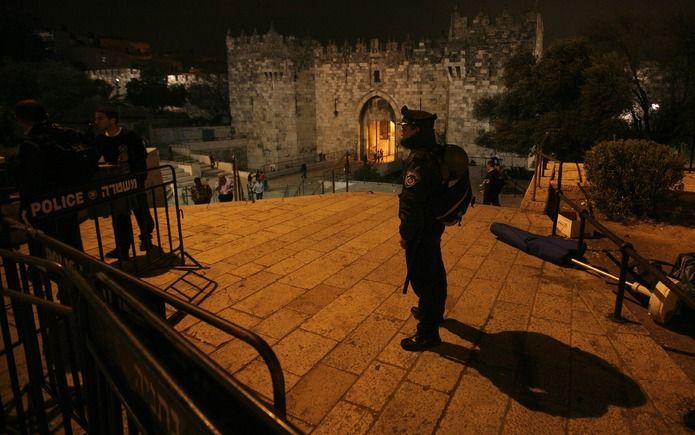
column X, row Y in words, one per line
column 418, row 118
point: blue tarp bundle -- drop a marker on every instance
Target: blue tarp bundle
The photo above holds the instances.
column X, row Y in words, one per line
column 552, row 249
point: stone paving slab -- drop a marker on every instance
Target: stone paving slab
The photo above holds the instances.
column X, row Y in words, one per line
column 528, row 346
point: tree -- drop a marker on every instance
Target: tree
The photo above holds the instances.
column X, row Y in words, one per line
column 151, row 90
column 210, row 98
column 68, row 94
column 675, row 119
column 579, row 93
column 659, row 55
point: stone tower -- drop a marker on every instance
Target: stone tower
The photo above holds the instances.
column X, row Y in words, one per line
column 292, row 100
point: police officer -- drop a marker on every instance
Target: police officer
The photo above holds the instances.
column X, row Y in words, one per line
column 37, row 175
column 420, row 231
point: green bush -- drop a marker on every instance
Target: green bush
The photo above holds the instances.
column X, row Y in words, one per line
column 630, row 178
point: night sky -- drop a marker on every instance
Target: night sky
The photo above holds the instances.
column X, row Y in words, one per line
column 200, row 25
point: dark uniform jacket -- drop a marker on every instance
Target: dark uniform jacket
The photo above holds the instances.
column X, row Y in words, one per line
column 422, row 180
column 492, row 185
column 35, row 173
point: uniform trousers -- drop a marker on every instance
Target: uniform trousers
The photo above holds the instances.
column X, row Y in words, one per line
column 428, row 279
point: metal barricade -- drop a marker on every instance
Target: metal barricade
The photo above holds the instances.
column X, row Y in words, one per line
column 557, row 197
column 118, row 196
column 106, row 343
column 38, row 349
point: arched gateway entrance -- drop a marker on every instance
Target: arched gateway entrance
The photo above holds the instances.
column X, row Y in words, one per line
column 377, row 131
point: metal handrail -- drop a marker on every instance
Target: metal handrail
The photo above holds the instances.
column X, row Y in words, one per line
column 540, row 162
column 627, row 249
column 146, row 289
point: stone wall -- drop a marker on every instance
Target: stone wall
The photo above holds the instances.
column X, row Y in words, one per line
column 176, row 135
column 292, row 99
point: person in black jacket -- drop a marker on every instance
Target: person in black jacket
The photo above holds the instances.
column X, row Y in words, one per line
column 420, row 231
column 125, row 151
column 492, row 184
column 36, row 175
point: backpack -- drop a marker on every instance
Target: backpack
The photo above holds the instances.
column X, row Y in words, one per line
column 69, row 154
column 450, row 205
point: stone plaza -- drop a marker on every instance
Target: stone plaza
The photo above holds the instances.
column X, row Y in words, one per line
column 528, row 345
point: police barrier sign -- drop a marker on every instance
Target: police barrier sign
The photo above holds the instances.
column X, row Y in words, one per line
column 77, row 199
column 168, row 385
column 163, row 375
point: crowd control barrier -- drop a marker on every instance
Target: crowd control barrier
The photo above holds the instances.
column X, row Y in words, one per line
column 86, row 347
column 108, row 198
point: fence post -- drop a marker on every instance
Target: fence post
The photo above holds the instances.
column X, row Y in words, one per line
column 559, row 177
column 582, row 225
column 617, row 311
column 535, row 179
column 557, row 202
column 692, row 154
column 556, row 212
column 333, row 174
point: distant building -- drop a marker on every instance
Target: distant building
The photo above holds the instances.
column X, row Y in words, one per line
column 116, row 77
column 295, row 99
column 196, row 77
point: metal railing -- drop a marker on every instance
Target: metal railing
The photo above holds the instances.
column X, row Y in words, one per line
column 117, row 196
column 38, row 348
column 122, row 334
column 626, row 248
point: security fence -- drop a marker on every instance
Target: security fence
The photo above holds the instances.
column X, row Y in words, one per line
column 87, row 350
column 161, row 246
column 586, row 217
column 87, row 345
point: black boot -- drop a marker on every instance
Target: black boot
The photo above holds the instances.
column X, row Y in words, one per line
column 420, row 342
column 415, row 311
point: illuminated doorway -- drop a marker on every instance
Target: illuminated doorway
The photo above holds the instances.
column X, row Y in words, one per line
column 378, row 132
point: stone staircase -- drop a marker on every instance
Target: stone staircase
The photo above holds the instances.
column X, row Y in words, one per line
column 184, row 181
column 572, row 174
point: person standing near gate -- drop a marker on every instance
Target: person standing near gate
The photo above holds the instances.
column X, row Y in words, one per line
column 492, row 184
column 201, row 192
column 125, row 150
column 225, row 189
column 258, row 187
column 420, row 231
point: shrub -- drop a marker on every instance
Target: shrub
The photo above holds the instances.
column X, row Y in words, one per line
column 629, row 178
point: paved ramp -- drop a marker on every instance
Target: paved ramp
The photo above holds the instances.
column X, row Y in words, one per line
column 528, row 347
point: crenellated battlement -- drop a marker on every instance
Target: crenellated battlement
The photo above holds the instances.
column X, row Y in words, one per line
column 479, row 33
column 292, row 97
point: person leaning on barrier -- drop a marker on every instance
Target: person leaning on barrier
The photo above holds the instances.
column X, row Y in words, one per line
column 124, row 150
column 420, row 231
column 37, row 174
